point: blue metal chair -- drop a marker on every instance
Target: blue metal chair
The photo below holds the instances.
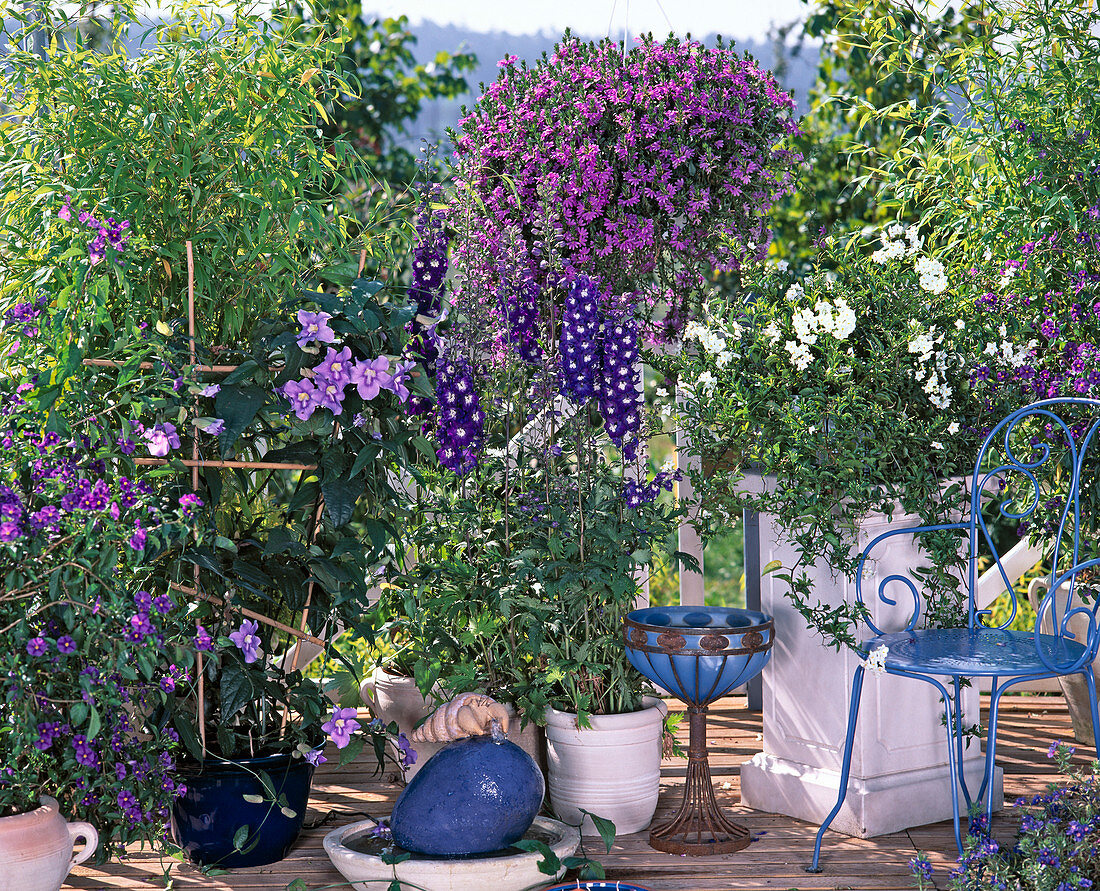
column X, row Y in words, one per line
column 1038, row 453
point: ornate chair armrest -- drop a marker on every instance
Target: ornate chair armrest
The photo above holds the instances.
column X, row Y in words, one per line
column 903, row 579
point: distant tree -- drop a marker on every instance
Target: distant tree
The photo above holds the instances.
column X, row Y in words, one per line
column 392, row 85
column 848, row 134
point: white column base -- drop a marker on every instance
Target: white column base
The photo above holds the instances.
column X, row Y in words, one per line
column 876, row 805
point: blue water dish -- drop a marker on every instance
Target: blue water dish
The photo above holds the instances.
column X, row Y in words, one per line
column 697, row 653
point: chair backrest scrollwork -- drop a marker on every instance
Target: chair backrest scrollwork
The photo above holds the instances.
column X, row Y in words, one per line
column 1039, row 468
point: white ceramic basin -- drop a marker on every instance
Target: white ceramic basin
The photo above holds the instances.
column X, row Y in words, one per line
column 511, row 872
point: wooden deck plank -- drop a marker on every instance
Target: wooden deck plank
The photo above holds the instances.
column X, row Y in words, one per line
column 776, row 859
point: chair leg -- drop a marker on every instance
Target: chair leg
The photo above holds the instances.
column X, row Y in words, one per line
column 954, row 740
column 846, row 765
column 959, row 753
column 991, row 751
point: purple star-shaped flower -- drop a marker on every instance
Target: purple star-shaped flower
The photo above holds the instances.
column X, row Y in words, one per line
column 408, row 753
column 303, row 398
column 245, row 639
column 37, row 646
column 315, row 757
column 162, row 438
column 336, row 367
column 203, row 640
column 314, row 327
column 370, row 377
column 341, row 725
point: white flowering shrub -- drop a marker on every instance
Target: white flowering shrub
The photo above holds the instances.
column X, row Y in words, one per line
column 851, row 387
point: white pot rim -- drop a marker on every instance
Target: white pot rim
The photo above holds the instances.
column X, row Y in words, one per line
column 47, row 807
column 653, row 711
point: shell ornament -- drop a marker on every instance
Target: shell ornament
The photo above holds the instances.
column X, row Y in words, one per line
column 468, row 714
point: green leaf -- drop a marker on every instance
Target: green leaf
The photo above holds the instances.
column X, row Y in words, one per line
column 252, row 798
column 236, row 690
column 288, row 812
column 550, row 864
column 237, row 406
column 341, row 494
column 240, row 837
column 297, row 885
column 604, row 827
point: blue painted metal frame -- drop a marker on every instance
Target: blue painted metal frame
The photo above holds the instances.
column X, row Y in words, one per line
column 997, row 652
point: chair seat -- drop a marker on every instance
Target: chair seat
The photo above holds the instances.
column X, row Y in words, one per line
column 974, row 652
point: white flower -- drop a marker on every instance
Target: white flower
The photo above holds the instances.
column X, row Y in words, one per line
column 960, row 324
column 706, row 381
column 772, row 333
column 990, row 349
column 794, row 292
column 724, row 358
column 894, row 230
column 936, row 444
column 953, row 428
column 876, row 660
column 1003, row 331
column 800, row 354
column 782, row 265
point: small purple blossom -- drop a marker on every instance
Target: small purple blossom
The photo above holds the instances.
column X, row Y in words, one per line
column 162, row 438
column 370, row 377
column 203, row 640
column 341, row 725
column 247, row 641
column 303, row 396
column 37, row 646
column 315, row 327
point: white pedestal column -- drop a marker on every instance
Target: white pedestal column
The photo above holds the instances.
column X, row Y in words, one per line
column 899, row 775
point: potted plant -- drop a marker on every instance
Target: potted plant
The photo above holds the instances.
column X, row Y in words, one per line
column 291, row 405
column 850, row 394
column 87, row 543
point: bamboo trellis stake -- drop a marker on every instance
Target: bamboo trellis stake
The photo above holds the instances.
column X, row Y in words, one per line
column 195, row 463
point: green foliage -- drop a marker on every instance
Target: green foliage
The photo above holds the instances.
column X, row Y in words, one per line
column 521, row 591
column 89, row 655
column 1055, row 847
column 213, row 135
column 858, row 117
column 302, row 543
column 849, row 392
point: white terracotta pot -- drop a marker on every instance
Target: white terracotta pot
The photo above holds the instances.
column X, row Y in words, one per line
column 36, row 848
column 394, row 697
column 612, row 769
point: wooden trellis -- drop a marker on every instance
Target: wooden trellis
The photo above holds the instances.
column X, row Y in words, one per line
column 195, row 463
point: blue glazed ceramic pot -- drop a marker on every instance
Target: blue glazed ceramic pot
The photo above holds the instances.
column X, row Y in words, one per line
column 473, row 796
column 209, row 814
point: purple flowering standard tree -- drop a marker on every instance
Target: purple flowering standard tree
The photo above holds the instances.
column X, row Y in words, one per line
column 89, row 543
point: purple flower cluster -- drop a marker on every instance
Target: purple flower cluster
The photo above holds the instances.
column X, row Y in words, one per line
column 519, row 310
column 429, row 271
column 326, row 384
column 109, row 232
column 581, row 346
column 661, row 155
column 459, row 416
column 620, row 395
column 27, row 316
column 639, row 492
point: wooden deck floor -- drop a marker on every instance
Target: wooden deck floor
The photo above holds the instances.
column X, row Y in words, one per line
column 775, row 860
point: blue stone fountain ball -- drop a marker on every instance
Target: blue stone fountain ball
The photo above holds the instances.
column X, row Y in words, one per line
column 473, row 796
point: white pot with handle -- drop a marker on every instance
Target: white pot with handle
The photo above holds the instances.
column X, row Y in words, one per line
column 36, row 848
column 612, row 769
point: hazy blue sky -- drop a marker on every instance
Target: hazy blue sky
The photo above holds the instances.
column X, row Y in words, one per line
column 735, row 18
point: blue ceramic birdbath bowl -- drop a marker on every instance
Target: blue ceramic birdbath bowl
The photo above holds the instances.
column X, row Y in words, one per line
column 698, row 654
